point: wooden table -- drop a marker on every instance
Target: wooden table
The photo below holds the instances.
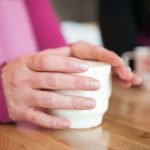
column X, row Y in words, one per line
column 126, row 127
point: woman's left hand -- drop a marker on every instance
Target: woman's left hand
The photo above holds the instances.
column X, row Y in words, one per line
column 86, row 51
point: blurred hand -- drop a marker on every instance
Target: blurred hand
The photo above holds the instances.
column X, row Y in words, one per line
column 146, row 63
column 29, row 82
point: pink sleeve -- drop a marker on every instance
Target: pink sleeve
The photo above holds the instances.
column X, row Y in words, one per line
column 46, row 24
column 4, row 117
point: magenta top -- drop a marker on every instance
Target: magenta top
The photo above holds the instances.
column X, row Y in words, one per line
column 26, row 26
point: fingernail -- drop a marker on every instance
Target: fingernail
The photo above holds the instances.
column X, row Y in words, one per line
column 138, row 80
column 89, row 103
column 93, row 85
column 83, row 67
column 64, row 124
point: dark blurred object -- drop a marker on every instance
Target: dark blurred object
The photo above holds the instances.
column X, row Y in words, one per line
column 124, row 24
column 78, row 10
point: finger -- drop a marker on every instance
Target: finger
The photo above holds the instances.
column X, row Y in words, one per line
column 45, row 120
column 57, row 63
column 123, row 72
column 132, row 78
column 63, row 81
column 136, row 80
column 55, row 100
column 84, row 50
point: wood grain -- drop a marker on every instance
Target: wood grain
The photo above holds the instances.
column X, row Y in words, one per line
column 126, row 126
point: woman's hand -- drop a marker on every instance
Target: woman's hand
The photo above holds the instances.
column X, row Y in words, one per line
column 121, row 73
column 86, row 51
column 29, row 82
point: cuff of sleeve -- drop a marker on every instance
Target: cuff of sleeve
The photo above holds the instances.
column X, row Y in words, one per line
column 4, row 117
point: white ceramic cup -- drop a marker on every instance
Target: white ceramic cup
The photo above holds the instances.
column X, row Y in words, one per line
column 139, row 54
column 90, row 118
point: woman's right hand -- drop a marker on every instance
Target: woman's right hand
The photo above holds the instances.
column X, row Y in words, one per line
column 30, row 82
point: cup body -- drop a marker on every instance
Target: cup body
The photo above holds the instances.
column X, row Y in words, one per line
column 90, row 118
column 139, row 55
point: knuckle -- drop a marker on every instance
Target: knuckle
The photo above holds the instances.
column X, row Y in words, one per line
column 76, row 104
column 42, row 61
column 79, row 84
column 31, row 117
column 18, row 78
column 33, row 98
column 48, row 101
column 20, row 60
column 18, row 73
column 15, row 113
column 20, row 64
column 50, row 80
column 70, row 66
column 36, row 60
column 54, row 123
column 13, row 80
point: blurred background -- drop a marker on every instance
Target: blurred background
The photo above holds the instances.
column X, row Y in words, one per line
column 79, row 20
column 119, row 25
column 84, row 11
column 122, row 24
